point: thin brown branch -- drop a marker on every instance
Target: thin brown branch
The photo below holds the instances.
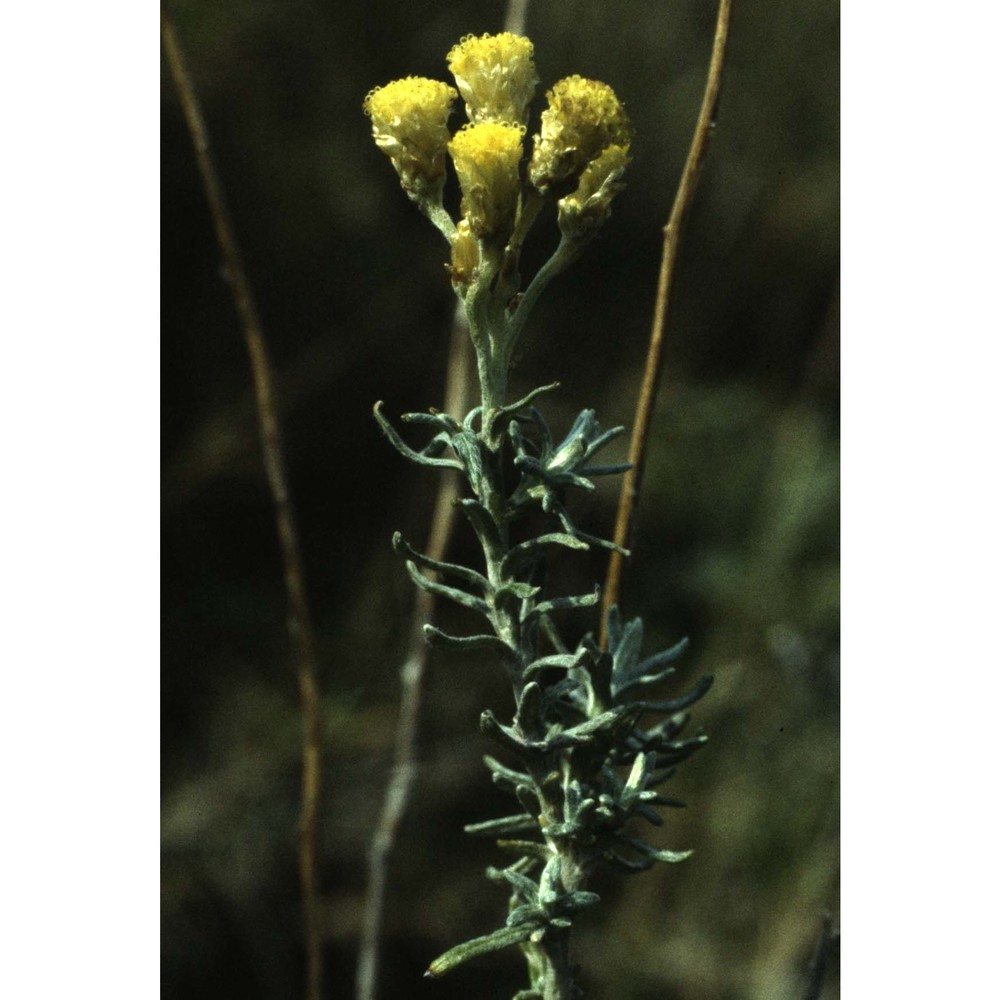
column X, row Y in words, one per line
column 457, row 401
column 299, row 621
column 672, row 232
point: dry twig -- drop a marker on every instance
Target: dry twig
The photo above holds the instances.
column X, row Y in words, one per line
column 299, row 621
column 672, row 232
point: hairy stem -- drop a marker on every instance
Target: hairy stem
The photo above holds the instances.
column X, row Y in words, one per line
column 672, row 232
column 299, row 620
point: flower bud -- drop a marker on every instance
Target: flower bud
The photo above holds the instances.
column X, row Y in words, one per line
column 583, row 118
column 584, row 211
column 409, row 125
column 464, row 254
column 487, row 158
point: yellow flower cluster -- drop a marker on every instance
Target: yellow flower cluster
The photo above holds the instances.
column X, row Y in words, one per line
column 409, row 124
column 582, row 143
column 487, row 158
column 495, row 75
column 584, row 117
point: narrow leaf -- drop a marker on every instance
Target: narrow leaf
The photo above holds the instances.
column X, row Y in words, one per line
column 404, row 449
column 563, row 603
column 502, row 938
column 529, row 847
column 505, row 774
column 451, row 593
column 685, row 700
column 403, row 548
column 441, row 640
column 506, row 824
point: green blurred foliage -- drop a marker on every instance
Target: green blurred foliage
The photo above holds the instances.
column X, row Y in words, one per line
column 738, row 537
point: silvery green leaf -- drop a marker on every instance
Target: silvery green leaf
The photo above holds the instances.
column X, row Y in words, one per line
column 512, row 408
column 636, row 780
column 537, row 851
column 526, row 913
column 650, row 814
column 505, row 824
column 665, row 657
column 658, row 854
column 505, row 774
column 466, row 446
column 574, row 902
column 525, row 886
column 566, row 661
column 606, row 470
column 451, row 593
column 614, row 627
column 599, row 723
column 403, row 548
column 564, row 603
column 505, row 736
column 469, row 422
column 529, row 710
column 626, row 865
column 434, row 419
column 685, row 700
column 549, row 883
column 502, row 938
column 441, row 640
column 665, row 803
column 526, row 552
column 404, row 449
column 521, row 591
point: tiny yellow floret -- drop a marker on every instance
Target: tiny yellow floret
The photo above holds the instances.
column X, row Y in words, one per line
column 487, row 158
column 409, row 124
column 583, row 118
column 495, row 76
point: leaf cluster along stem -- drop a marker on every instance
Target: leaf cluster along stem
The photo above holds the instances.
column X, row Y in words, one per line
column 580, row 764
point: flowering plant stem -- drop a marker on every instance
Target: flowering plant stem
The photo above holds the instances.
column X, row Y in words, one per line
column 580, row 765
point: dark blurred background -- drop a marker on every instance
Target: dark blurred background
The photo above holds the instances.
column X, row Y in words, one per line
column 738, row 543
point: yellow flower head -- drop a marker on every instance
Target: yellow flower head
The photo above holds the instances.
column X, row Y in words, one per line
column 409, row 125
column 584, row 211
column 495, row 76
column 486, row 159
column 583, row 118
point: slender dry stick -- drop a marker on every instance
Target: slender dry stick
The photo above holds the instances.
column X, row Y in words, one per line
column 397, row 796
column 672, row 232
column 299, row 621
